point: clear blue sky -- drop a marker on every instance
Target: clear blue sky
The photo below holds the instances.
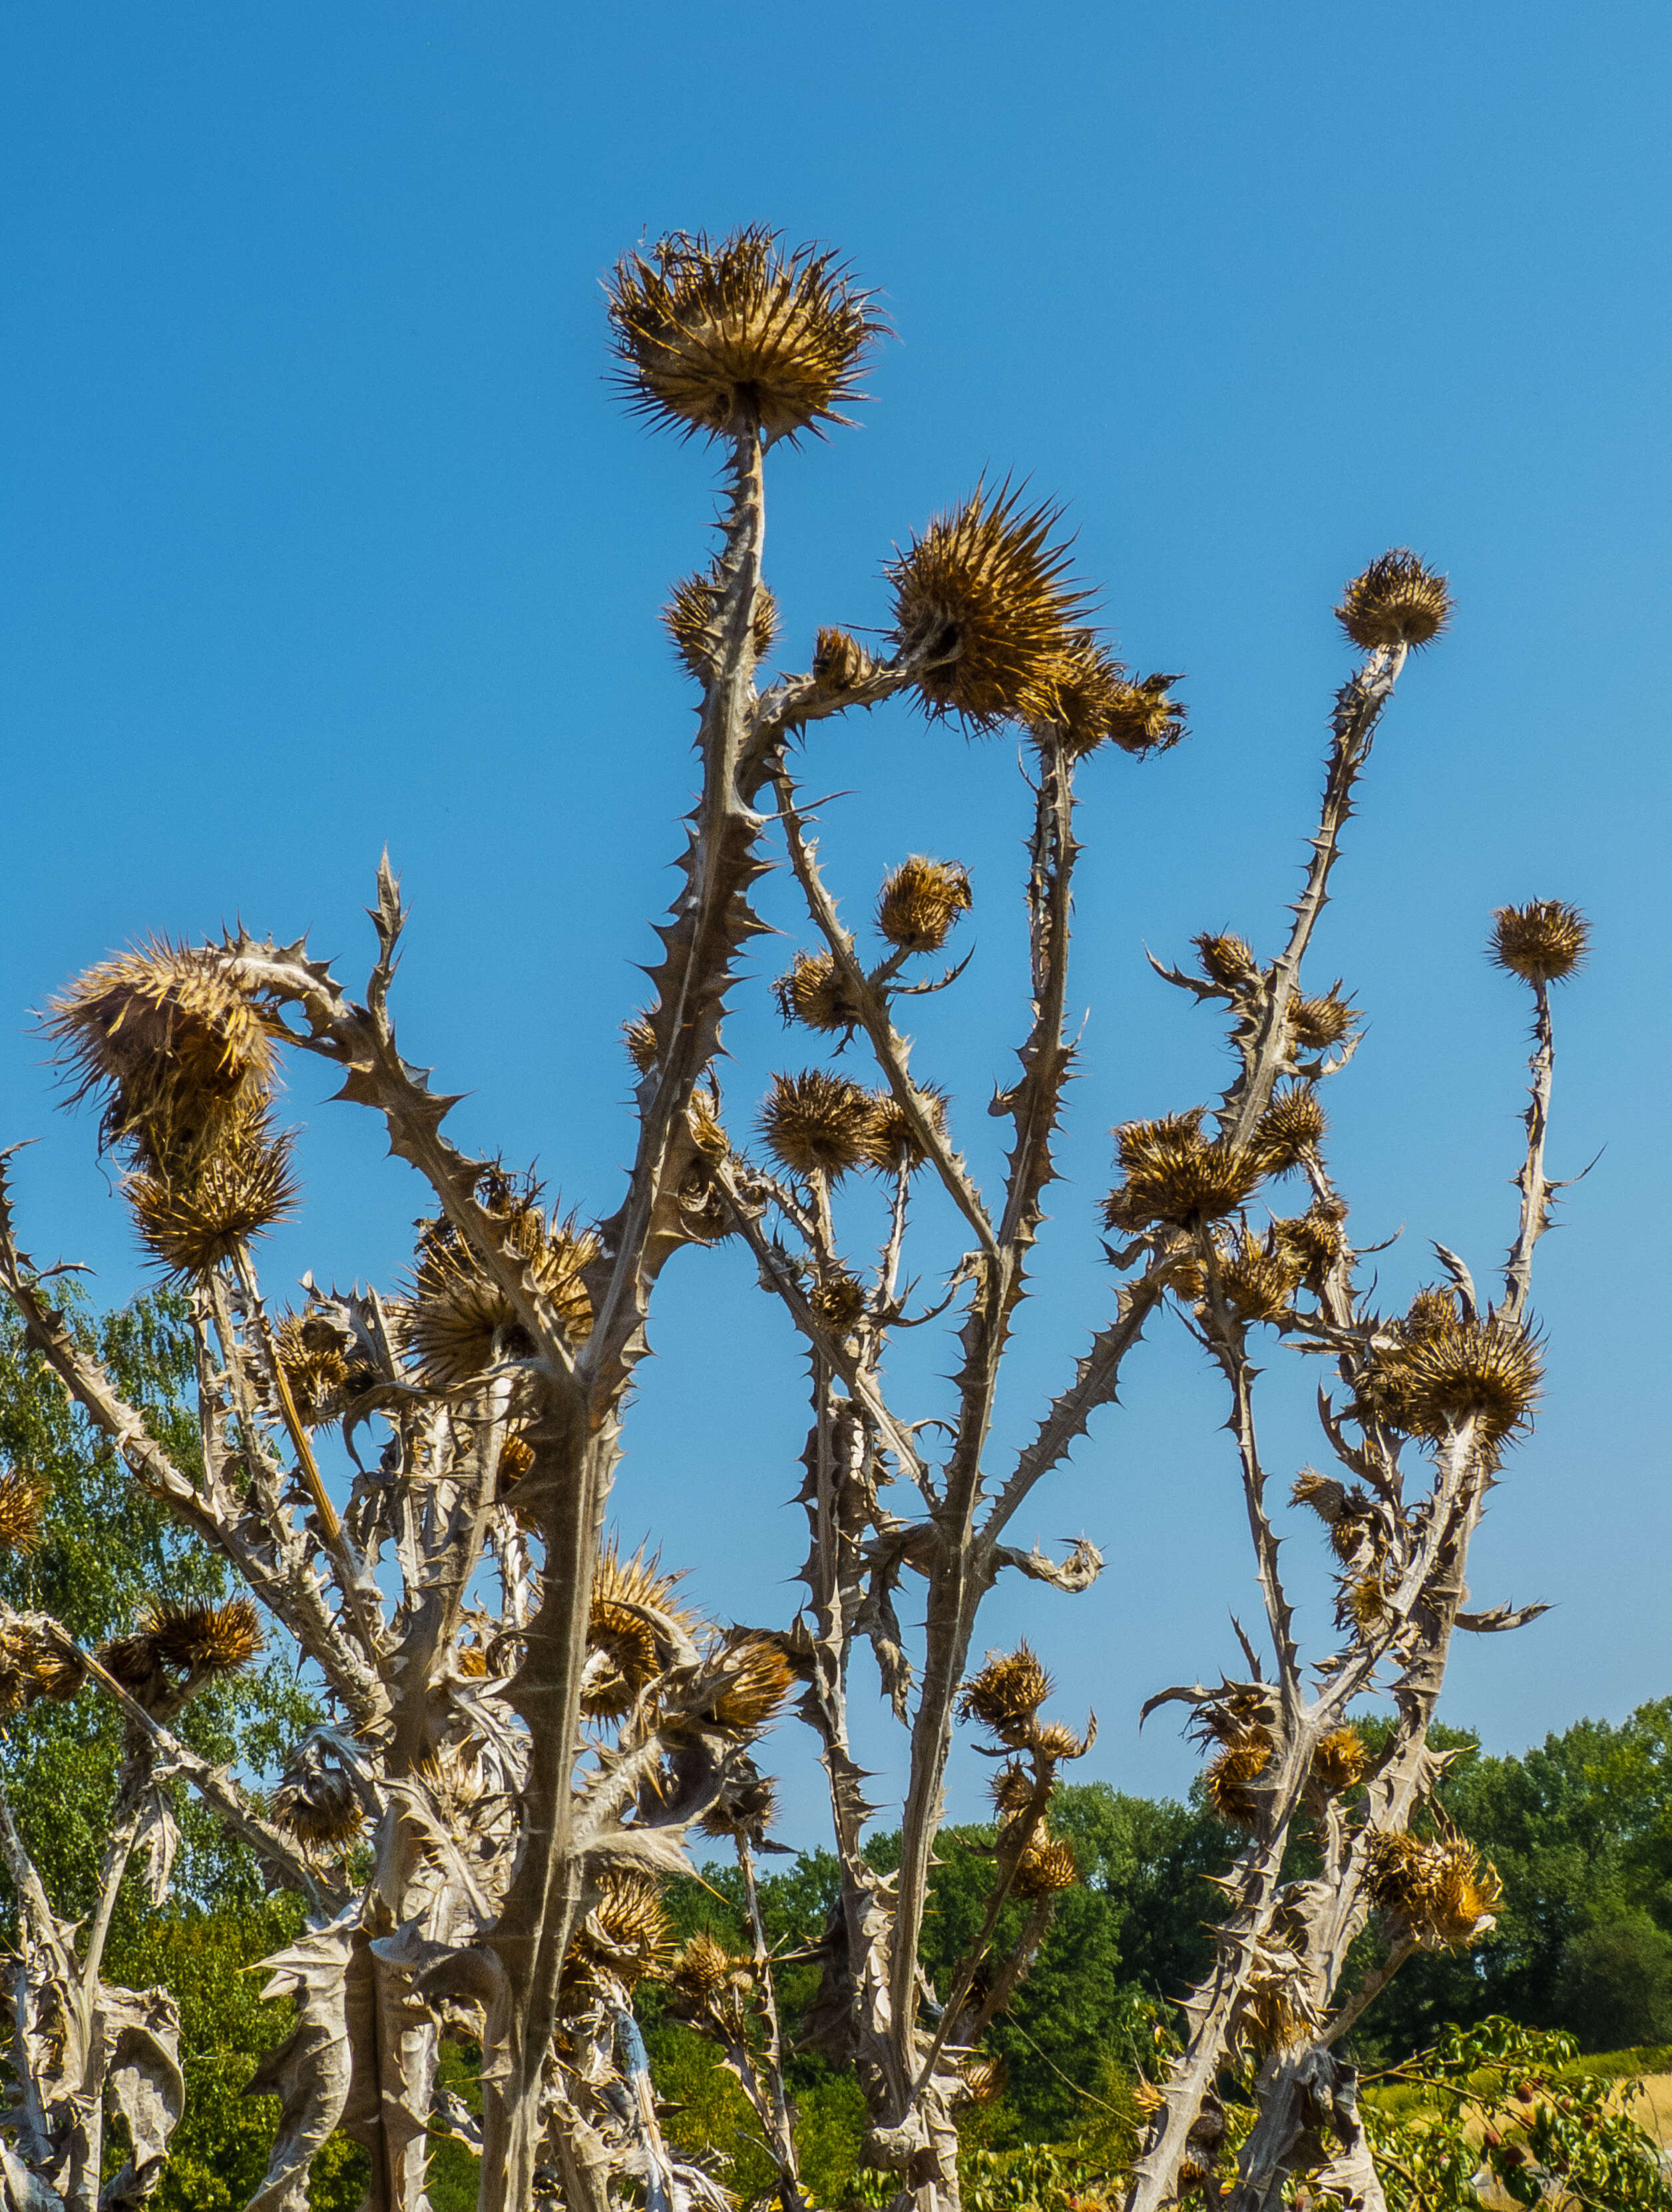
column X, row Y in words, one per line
column 324, row 530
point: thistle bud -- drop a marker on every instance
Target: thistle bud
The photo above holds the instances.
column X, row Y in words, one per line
column 839, row 663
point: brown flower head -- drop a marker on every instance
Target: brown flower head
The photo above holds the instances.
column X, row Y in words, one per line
column 206, row 1639
column 1085, row 696
column 839, row 663
column 704, row 1970
column 232, row 1191
column 1397, row 601
column 640, row 1036
column 1258, row 1279
column 22, row 1509
column 1144, row 718
column 317, row 1375
column 1007, row 1692
column 813, row 993
column 1440, row 1891
column 1174, row 1175
column 737, row 335
column 1012, row 1788
column 1226, row 1783
column 1543, row 942
column 632, row 1631
column 626, row 1937
column 1314, row 1240
column 1488, row 1369
column 1044, row 1868
column 316, row 1800
column 839, row 1302
column 1338, row 1763
column 755, row 1681
column 1228, row 960
column 818, row 1124
column 893, row 1143
column 1317, row 1024
column 692, row 618
column 745, row 1807
column 984, row 593
column 1293, row 1125
column 921, row 901
column 457, row 1322
column 985, row 2078
column 35, row 1662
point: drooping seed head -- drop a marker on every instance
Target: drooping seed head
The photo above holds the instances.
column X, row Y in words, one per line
column 1543, row 942
column 1144, row 718
column 634, row 1629
column 1012, row 1788
column 1398, row 600
column 1315, row 1240
column 984, row 593
column 206, row 1639
column 738, row 334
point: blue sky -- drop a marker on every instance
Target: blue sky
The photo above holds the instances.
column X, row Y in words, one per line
column 326, row 531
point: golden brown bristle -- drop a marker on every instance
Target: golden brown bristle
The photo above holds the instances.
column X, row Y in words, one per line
column 317, row 1375
column 1011, row 1790
column 839, row 1302
column 1258, row 1279
column 1144, row 718
column 1292, row 1126
column 1007, row 1692
column 737, row 335
column 1541, row 943
column 22, row 1510
column 231, row 1191
column 1057, row 1740
column 1274, row 2013
column 1044, row 1868
column 1316, row 1241
column 206, row 1639
column 693, row 619
column 1174, row 1175
column 317, row 1804
column 1085, row 695
column 983, row 594
column 641, row 1041
column 458, row 1322
column 630, row 1599
column 818, row 1124
column 1338, row 1764
column 755, row 1682
column 745, row 1807
column 891, row 1142
column 1228, row 960
column 839, row 663
column 704, row 1969
column 1486, row 1369
column 814, row 995
column 34, row 1663
column 921, row 901
column 1321, row 1492
column 1440, row 1891
column 1317, row 1024
column 1398, row 600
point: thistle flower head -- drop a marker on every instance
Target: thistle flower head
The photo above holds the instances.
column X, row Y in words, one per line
column 206, row 1639
column 755, row 1681
column 985, row 593
column 629, row 1626
column 1275, row 2012
column 1046, row 1866
column 168, row 1041
column 1293, row 1125
column 893, row 1142
column 813, row 993
column 838, row 1299
column 639, row 1035
column 317, row 1374
column 34, row 1663
column 1226, row 1783
column 739, row 334
column 1085, row 696
column 626, row 1936
column 1144, row 718
column 691, row 617
column 1439, row 1891
column 1007, row 1692
column 985, row 2077
column 1338, row 1763
column 1543, row 942
column 1012, row 1788
column 1398, row 600
column 919, row 902
column 1174, row 1175
column 1486, row 1369
column 703, row 1970
column 1314, row 1240
column 818, row 1124
column 839, row 663
column 1227, row 960
column 1319, row 1023
column 316, row 1801
column 1258, row 1278
column 204, row 1212
column 1057, row 1740
column 22, row 1509
column 457, row 1322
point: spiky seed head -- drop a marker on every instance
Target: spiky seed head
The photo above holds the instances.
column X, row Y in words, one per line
column 1486, row 1369
column 1174, row 1175
column 1543, row 942
column 1144, row 718
column 813, row 993
column 704, row 1969
column 1046, row 1866
column 317, row 1805
column 1258, row 1279
column 35, row 1662
column 1012, row 1788
column 893, row 1142
column 692, row 619
column 639, row 1038
column 1007, row 1692
column 839, row 1302
column 1056, row 1741
column 738, row 334
column 755, row 1682
column 985, row 593
column 456, row 1316
column 818, row 1124
column 1315, row 1240
column 1226, row 1783
column 1274, row 2013
column 1317, row 1024
column 206, row 1639
column 629, row 1927
column 167, row 1041
column 1433, row 1307
column 745, row 1807
column 317, row 1375
column 839, row 663
column 629, row 1626
column 1398, row 600
column 921, row 901
column 1293, row 1125
column 985, row 2077
column 233, row 1191
column 1227, row 960
column 1338, row 1763
column 22, row 1509
column 1321, row 1492
column 1365, row 1599
column 1440, row 1891
column 1085, row 696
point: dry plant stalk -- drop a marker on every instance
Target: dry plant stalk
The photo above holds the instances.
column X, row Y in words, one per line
column 524, row 1728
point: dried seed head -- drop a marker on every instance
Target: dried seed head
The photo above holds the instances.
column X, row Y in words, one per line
column 1012, row 1788
column 893, row 1142
column 1056, row 1741
column 1542, row 942
column 1432, row 1309
column 1258, row 1279
column 631, row 1631
column 921, row 901
column 235, row 1189
column 458, row 1322
column 1275, row 2012
column 1085, row 696
column 737, row 335
column 1144, row 720
column 1338, row 1764
column 1397, row 601
column 745, row 1807
column 1044, row 1868
column 317, row 1375
column 818, row 1124
column 985, row 2079
column 704, row 1969
column 1364, row 1600
column 839, row 663
column 34, row 1663
column 1439, row 1891
column 315, row 1801
column 1007, row 1692
column 692, row 620
column 814, row 995
column 703, row 1115
column 640, row 1040
column 1317, row 1024
column 626, row 1937
column 755, row 1682
column 1489, row 1369
column 1316, row 1241
column 169, row 1042
column 1326, row 1496
column 206, row 1639
column 1292, row 1125
column 985, row 593
column 839, row 1302
column 1226, row 1783
column 22, row 1509
column 1227, row 960
column 1173, row 1174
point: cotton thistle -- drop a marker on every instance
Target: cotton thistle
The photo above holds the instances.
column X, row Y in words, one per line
column 919, row 902
column 983, row 599
column 1543, row 943
column 317, row 1376
column 839, row 663
column 1174, row 1175
column 1046, row 1866
column 891, row 1142
column 818, row 1124
column 1292, row 1127
column 1338, row 1761
column 1227, row 960
column 1398, row 600
column 1144, row 718
column 813, row 992
column 754, row 1681
column 1486, row 1371
column 692, row 620
column 459, row 1320
column 1258, row 1279
column 22, row 1509
column 1319, row 1023
column 1006, row 1694
column 1439, row 1891
column 201, row 1214
column 633, row 1631
column 738, row 335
